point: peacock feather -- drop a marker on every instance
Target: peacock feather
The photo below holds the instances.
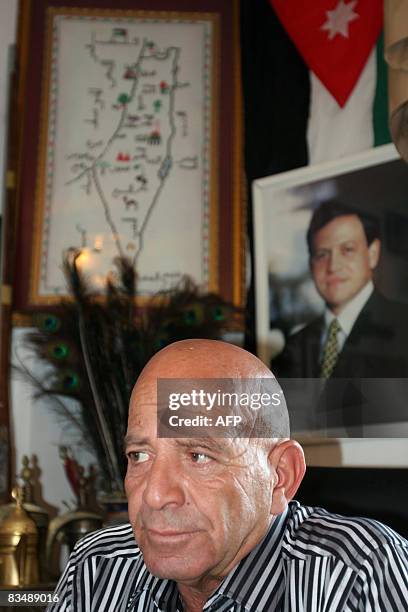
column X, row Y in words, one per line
column 94, row 349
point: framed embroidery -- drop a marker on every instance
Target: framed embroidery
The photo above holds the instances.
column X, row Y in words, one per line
column 131, row 145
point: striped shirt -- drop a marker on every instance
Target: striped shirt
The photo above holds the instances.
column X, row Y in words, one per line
column 309, row 561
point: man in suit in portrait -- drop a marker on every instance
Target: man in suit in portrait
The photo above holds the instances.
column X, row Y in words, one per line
column 361, row 333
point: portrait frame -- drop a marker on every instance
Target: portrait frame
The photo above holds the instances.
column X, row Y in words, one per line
column 215, row 265
column 282, row 210
column 265, row 192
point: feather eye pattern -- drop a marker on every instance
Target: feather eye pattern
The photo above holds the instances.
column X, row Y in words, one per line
column 94, row 348
column 47, row 322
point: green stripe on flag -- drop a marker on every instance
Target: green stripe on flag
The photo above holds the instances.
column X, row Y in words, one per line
column 380, row 107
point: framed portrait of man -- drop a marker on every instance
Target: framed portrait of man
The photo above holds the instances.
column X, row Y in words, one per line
column 332, row 291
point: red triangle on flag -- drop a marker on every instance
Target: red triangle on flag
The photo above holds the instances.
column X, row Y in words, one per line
column 334, row 37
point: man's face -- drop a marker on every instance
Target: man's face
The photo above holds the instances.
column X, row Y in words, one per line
column 197, row 506
column 342, row 262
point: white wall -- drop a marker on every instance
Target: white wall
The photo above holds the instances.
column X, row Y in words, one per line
column 37, row 431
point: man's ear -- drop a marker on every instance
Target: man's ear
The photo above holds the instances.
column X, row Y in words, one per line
column 374, row 251
column 288, row 462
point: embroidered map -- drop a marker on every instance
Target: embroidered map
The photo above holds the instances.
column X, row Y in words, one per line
column 128, row 153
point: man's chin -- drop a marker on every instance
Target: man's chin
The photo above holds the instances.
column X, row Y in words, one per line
column 173, row 556
column 180, row 569
column 337, row 300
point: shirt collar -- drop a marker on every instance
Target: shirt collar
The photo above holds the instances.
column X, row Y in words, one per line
column 240, row 582
column 165, row 593
column 349, row 314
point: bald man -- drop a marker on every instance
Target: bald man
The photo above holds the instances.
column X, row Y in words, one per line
column 212, row 524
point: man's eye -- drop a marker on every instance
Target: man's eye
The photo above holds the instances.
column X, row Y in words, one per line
column 319, row 255
column 137, row 456
column 200, row 458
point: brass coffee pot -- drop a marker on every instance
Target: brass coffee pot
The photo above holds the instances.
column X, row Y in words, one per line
column 68, row 528
column 18, row 546
column 38, row 514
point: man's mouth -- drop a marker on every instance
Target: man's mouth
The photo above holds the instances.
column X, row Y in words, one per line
column 168, row 533
column 333, row 282
column 169, row 538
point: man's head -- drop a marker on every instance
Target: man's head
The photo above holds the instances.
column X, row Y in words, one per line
column 198, row 506
column 344, row 249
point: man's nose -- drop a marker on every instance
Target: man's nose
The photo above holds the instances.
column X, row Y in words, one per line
column 164, row 485
column 334, row 261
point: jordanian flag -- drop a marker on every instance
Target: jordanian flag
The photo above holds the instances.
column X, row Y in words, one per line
column 341, row 43
column 314, row 85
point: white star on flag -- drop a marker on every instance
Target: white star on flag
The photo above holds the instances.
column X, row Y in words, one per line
column 339, row 19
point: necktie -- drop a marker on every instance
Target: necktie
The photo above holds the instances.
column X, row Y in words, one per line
column 330, row 350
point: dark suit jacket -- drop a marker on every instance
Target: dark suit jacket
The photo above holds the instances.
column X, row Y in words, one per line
column 376, row 348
